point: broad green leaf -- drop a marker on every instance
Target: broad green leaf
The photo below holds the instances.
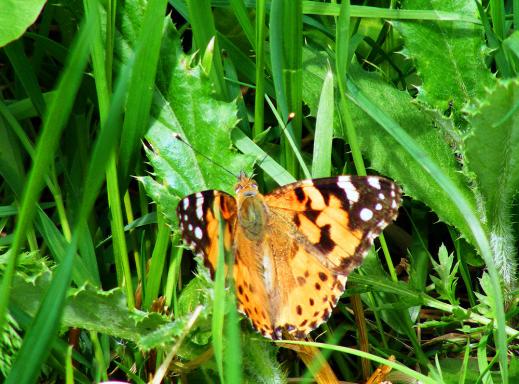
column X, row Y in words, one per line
column 16, row 17
column 448, row 55
column 91, row 309
column 387, row 156
column 184, row 104
column 492, row 157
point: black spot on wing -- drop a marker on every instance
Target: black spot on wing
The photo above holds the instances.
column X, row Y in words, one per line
column 325, row 243
column 296, row 220
column 300, row 194
column 312, row 215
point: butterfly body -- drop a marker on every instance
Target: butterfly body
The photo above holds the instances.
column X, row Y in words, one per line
column 293, row 247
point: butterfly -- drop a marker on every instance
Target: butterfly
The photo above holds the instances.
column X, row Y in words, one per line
column 293, row 247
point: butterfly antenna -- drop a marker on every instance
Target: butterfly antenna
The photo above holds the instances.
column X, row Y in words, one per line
column 179, row 138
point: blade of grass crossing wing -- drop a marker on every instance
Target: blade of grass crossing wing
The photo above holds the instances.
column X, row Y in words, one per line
column 219, row 301
column 457, row 198
column 233, row 353
column 321, row 162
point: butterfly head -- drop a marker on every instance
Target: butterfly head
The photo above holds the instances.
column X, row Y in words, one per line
column 246, row 186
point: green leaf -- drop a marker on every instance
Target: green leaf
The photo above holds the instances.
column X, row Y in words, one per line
column 184, row 104
column 446, row 281
column 486, row 302
column 16, row 17
column 90, row 308
column 452, row 69
column 385, row 154
column 492, row 157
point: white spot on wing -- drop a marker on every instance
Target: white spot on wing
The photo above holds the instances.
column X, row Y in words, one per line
column 190, row 227
column 394, row 204
column 374, row 182
column 378, row 207
column 198, row 233
column 342, row 279
column 381, row 196
column 351, row 192
column 186, row 204
column 366, row 214
column 199, row 206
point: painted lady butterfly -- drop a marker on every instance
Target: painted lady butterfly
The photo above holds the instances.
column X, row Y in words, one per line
column 293, row 247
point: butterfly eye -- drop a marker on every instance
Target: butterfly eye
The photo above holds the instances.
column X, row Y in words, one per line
column 254, row 185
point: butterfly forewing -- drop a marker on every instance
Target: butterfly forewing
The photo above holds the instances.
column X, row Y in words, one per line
column 340, row 216
column 199, row 226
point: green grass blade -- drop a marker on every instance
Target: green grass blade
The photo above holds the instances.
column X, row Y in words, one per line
column 267, row 163
column 217, row 325
column 158, row 262
column 138, row 104
column 318, row 8
column 43, row 330
column 457, row 198
column 202, row 22
column 321, row 163
column 342, row 63
column 276, row 22
column 240, row 11
column 259, row 97
column 55, row 120
column 25, row 73
column 355, row 352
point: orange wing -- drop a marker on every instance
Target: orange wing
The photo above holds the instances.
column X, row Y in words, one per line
column 317, row 232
